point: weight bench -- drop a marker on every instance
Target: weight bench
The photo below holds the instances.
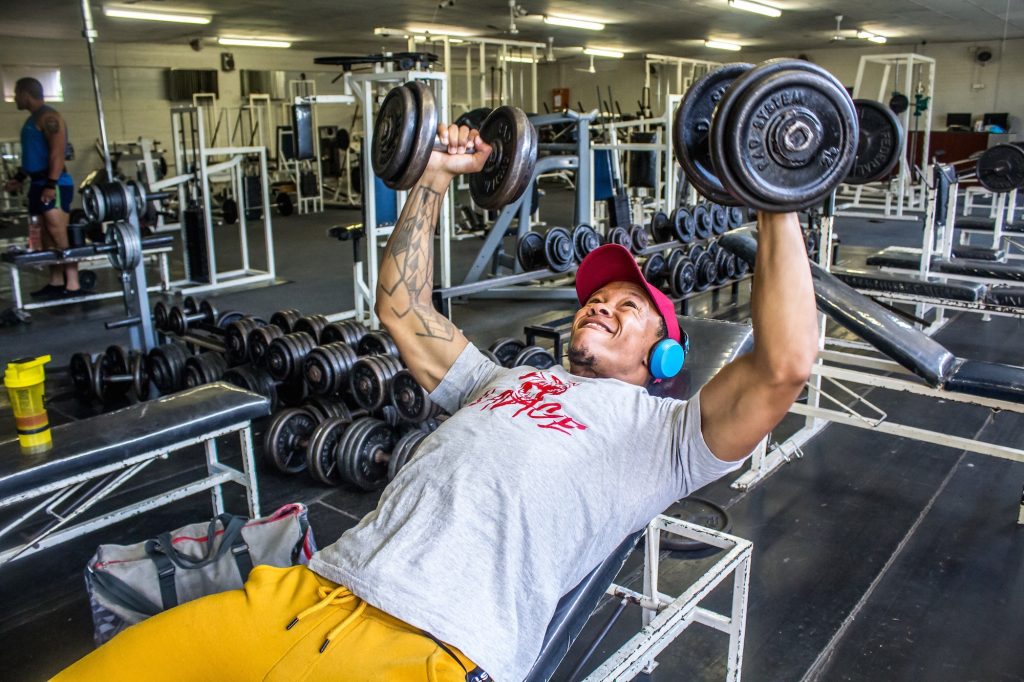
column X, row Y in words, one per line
column 94, row 457
column 874, row 280
column 894, row 257
column 974, row 224
column 712, row 344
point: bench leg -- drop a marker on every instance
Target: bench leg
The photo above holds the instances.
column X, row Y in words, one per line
column 249, row 467
column 216, row 493
column 738, row 620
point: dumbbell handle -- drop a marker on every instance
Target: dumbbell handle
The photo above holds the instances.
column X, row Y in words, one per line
column 197, row 316
column 443, row 148
column 126, row 322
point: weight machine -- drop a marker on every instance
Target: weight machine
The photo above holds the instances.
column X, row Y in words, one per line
column 669, row 89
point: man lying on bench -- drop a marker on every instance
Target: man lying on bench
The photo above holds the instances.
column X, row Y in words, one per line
column 532, row 482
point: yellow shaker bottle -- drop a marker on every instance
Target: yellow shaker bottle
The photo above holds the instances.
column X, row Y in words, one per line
column 24, row 381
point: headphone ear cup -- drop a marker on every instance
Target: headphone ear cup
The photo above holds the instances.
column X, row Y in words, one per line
column 666, row 359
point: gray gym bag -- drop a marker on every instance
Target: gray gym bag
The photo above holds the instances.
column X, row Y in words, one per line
column 129, row 583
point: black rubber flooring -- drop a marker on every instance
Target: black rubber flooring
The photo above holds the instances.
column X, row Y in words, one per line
column 875, row 558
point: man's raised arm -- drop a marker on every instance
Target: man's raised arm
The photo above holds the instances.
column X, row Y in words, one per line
column 752, row 394
column 428, row 341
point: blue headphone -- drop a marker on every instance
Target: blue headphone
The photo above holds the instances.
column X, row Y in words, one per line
column 667, row 357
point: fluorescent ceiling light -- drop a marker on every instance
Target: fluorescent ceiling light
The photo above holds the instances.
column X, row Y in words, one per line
column 873, row 37
column 755, row 7
column 602, row 52
column 519, row 60
column 574, row 23
column 722, row 45
column 440, row 31
column 123, row 13
column 254, row 42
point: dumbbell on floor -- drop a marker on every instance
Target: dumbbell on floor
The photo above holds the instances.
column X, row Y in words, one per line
column 510, row 352
column 181, row 318
column 204, row 368
column 370, row 453
column 110, row 376
column 258, row 380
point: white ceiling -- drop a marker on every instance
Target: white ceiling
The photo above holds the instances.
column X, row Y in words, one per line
column 675, row 27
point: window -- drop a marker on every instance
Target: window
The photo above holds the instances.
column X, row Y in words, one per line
column 53, row 90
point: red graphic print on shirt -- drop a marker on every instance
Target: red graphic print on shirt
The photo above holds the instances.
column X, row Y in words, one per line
column 531, row 397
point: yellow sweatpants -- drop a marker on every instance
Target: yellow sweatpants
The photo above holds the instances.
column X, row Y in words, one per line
column 245, row 635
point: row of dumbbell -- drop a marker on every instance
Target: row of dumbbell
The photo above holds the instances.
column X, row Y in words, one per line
column 698, row 222
column 179, row 320
column 694, row 268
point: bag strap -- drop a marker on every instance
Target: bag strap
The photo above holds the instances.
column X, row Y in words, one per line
column 232, row 536
column 123, row 593
column 165, row 574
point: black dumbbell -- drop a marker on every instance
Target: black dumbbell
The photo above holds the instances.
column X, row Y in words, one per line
column 327, row 367
column 370, row 453
column 285, row 319
column 311, row 324
column 236, row 339
column 654, row 269
column 288, row 434
column 719, row 218
column 684, row 226
column 347, row 331
column 661, row 227
column 620, row 236
column 533, row 356
column 411, row 402
column 286, row 354
column 682, row 277
column 111, row 375
column 638, row 239
column 165, row 366
column 204, row 368
column 505, row 350
column 370, row 380
column 377, row 343
column 181, row 318
column 702, row 221
column 584, row 240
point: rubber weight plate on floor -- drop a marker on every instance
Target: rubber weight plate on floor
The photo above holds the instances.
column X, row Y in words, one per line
column 699, row 512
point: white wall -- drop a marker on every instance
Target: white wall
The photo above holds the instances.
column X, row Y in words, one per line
column 961, row 85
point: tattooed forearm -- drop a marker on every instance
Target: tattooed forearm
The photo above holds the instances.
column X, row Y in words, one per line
column 407, row 269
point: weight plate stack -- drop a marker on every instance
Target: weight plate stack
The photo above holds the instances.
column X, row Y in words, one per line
column 165, row 366
column 404, row 450
column 661, row 227
column 530, row 252
column 534, row 356
column 312, row 325
column 347, row 331
column 259, row 340
column 684, row 227
column 703, row 226
column 377, row 343
column 286, row 354
column 204, row 369
column 285, row 319
column 654, row 269
column 322, row 450
column 236, row 339
column 361, row 453
column 683, row 277
column 506, row 349
column 410, row 400
column 558, row 249
column 327, row 367
column 370, row 379
column 638, row 239
column 584, row 240
column 284, row 443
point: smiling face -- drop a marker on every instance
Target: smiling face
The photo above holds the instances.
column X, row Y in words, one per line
column 612, row 334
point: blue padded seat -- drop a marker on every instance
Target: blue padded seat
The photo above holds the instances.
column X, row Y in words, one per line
column 82, row 446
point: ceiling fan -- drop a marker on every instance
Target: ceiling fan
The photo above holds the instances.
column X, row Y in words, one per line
column 591, row 68
column 838, row 35
column 515, row 10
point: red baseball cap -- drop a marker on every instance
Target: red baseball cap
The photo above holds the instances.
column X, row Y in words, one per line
column 614, row 263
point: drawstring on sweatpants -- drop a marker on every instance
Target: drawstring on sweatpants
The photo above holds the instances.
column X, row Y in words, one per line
column 332, row 597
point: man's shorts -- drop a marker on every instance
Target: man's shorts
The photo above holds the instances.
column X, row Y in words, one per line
column 65, row 193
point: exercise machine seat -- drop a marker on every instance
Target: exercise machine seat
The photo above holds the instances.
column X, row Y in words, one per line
column 907, row 284
column 1006, row 295
column 984, row 224
column 978, row 252
column 896, row 258
column 81, row 446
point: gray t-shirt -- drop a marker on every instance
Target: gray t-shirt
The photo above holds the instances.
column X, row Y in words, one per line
column 532, row 482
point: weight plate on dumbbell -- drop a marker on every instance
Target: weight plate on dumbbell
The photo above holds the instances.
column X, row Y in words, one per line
column 255, row 379
column 533, row 356
column 409, row 398
column 326, row 368
column 165, row 365
column 785, row 136
column 684, row 227
column 558, row 249
column 80, row 368
column 661, row 227
column 394, row 131
column 706, row 271
column 654, row 269
column 735, row 217
column 683, row 277
column 530, row 252
column 474, row 118
column 377, row 343
column 204, row 369
column 506, row 349
column 692, row 128
column 699, row 512
column 259, row 340
column 509, row 168
column 584, row 240
column 312, row 325
column 229, row 211
column 224, row 319
column 349, row 332
column 618, row 235
column 674, row 257
column 286, row 354
column 236, row 339
column 723, row 271
column 176, row 322
column 113, row 362
column 285, row 319
column 638, row 240
column 490, row 356
column 324, row 408
column 719, row 219
column 322, row 450
column 127, row 246
column 703, row 226
column 404, row 450
column 207, row 309
column 369, row 378
column 361, row 453
column 1001, row 168
column 140, row 377
column 285, row 441
column 879, row 142
column 423, row 135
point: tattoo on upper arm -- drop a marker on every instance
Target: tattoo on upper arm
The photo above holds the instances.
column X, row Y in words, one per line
column 409, row 285
column 51, row 125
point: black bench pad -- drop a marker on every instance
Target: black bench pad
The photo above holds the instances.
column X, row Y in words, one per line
column 86, row 445
column 891, row 258
column 988, row 380
column 985, row 224
column 1006, row 295
column 978, row 252
column 905, row 284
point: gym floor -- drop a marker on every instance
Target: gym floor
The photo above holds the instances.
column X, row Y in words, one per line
column 875, row 558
